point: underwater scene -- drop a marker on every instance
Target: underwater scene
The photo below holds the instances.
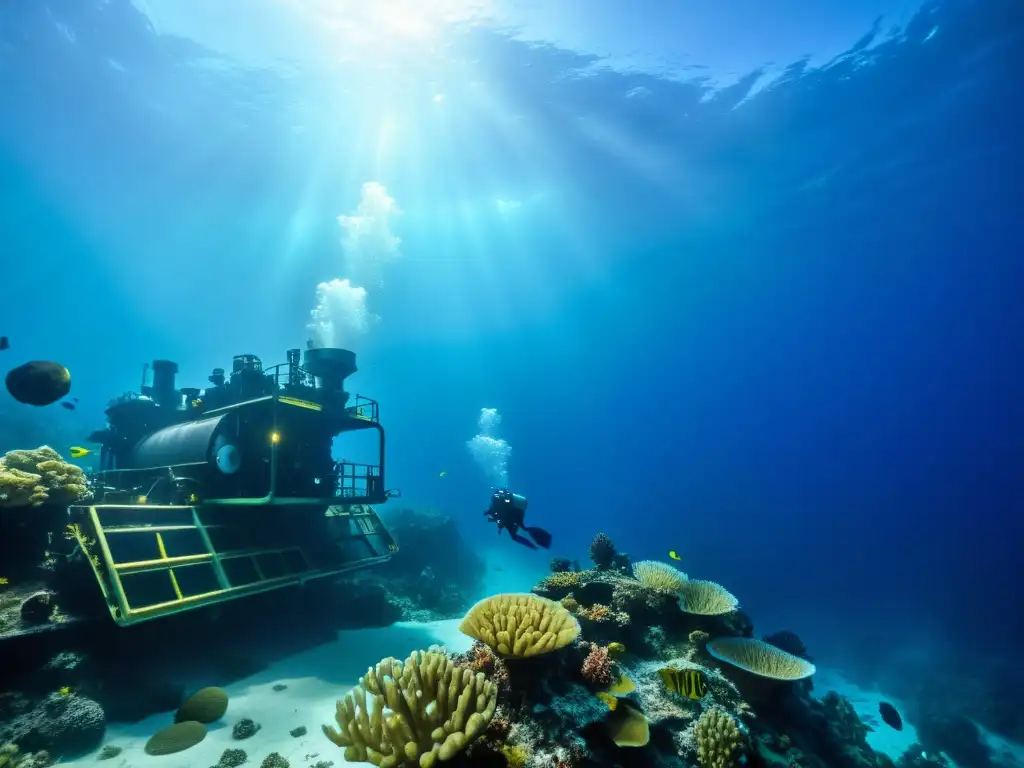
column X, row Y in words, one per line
column 511, row 384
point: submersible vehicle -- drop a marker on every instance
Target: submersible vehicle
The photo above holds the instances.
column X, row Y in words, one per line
column 203, row 496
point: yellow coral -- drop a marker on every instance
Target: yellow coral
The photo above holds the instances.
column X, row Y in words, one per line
column 516, row 756
column 421, row 711
column 39, row 477
column 719, row 740
column 561, row 580
column 520, row 624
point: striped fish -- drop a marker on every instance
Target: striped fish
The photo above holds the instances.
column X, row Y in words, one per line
column 690, row 683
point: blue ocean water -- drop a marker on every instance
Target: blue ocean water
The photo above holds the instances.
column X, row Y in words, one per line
column 741, row 283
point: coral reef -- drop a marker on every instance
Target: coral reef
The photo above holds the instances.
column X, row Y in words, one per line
column 719, row 740
column 38, row 477
column 521, row 625
column 602, row 552
column 62, row 724
column 425, row 709
column 435, row 573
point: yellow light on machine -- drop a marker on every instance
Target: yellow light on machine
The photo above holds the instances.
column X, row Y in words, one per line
column 275, row 437
column 141, row 500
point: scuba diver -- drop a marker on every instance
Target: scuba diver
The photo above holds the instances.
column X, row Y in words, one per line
column 508, row 510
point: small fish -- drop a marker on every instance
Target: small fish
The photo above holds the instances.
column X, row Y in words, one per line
column 4, row 343
column 616, row 648
column 443, row 473
column 77, row 452
column 674, row 555
column 691, row 683
column 68, row 405
column 610, row 701
column 890, row 716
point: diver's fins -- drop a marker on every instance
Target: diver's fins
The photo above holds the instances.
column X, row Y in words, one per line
column 525, row 542
column 542, row 537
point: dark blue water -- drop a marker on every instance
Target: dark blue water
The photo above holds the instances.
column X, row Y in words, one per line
column 780, row 334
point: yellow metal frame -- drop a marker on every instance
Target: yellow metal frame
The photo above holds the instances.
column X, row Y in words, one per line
column 93, row 538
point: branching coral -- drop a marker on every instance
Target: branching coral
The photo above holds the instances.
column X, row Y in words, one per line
column 659, row 576
column 597, row 668
column 39, row 477
column 423, row 710
column 602, row 551
column 719, row 740
column 520, row 624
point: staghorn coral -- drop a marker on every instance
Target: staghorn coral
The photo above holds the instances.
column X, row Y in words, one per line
column 719, row 740
column 520, row 624
column 659, row 576
column 53, row 480
column 706, row 598
column 759, row 658
column 423, row 710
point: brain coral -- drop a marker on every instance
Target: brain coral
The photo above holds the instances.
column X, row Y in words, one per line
column 204, row 706
column 520, row 624
column 760, row 658
column 175, row 738
column 660, row 576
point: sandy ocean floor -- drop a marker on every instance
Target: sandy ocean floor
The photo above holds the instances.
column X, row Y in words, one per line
column 316, row 678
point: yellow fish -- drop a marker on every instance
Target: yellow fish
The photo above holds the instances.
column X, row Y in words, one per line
column 691, row 683
column 616, row 648
column 674, row 555
column 443, row 473
column 78, row 452
column 608, row 699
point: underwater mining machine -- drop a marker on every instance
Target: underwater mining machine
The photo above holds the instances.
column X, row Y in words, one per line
column 203, row 496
